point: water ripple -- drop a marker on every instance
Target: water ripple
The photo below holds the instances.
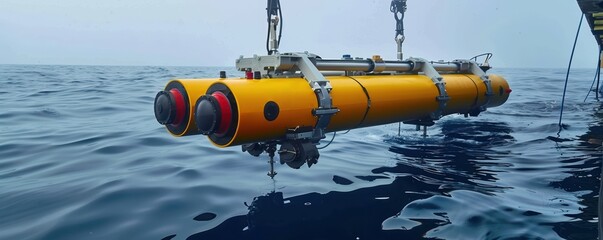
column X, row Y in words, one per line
column 82, row 157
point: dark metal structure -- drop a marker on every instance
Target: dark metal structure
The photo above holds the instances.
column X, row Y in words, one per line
column 593, row 11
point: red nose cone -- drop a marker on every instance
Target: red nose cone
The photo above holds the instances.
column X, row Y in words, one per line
column 226, row 113
column 180, row 106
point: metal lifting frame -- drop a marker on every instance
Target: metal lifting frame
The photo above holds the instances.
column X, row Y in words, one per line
column 284, row 64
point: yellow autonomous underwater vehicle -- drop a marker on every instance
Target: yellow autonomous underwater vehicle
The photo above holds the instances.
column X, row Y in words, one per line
column 294, row 99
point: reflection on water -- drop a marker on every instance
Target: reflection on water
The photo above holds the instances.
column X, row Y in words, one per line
column 335, row 215
column 462, row 158
column 436, row 180
column 426, row 174
column 584, row 181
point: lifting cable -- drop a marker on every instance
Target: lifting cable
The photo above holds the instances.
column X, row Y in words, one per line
column 398, row 7
column 274, row 13
column 568, row 72
column 598, row 89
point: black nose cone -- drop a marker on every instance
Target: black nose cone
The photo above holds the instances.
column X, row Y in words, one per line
column 165, row 110
column 207, row 114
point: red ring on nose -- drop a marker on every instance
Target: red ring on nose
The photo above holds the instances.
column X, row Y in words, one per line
column 225, row 113
column 180, row 106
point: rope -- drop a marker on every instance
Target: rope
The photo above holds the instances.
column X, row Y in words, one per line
column 597, row 76
column 568, row 72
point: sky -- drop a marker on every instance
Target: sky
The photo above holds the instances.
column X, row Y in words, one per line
column 520, row 33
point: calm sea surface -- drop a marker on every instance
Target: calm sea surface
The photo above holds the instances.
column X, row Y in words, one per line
column 82, row 157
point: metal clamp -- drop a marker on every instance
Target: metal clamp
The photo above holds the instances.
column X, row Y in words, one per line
column 377, row 64
column 422, row 65
column 474, row 69
column 322, row 88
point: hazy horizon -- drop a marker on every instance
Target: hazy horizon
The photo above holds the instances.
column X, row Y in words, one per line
column 189, row 33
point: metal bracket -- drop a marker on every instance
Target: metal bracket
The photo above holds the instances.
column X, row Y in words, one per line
column 322, row 88
column 422, row 65
column 474, row 69
column 266, row 65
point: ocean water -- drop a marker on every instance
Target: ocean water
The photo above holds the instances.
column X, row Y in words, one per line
column 82, row 157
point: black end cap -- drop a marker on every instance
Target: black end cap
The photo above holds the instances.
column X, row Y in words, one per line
column 165, row 109
column 207, row 114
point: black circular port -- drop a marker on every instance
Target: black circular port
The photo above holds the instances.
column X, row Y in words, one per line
column 271, row 111
column 207, row 114
column 165, row 109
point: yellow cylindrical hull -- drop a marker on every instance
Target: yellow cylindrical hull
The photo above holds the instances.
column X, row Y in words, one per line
column 362, row 100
